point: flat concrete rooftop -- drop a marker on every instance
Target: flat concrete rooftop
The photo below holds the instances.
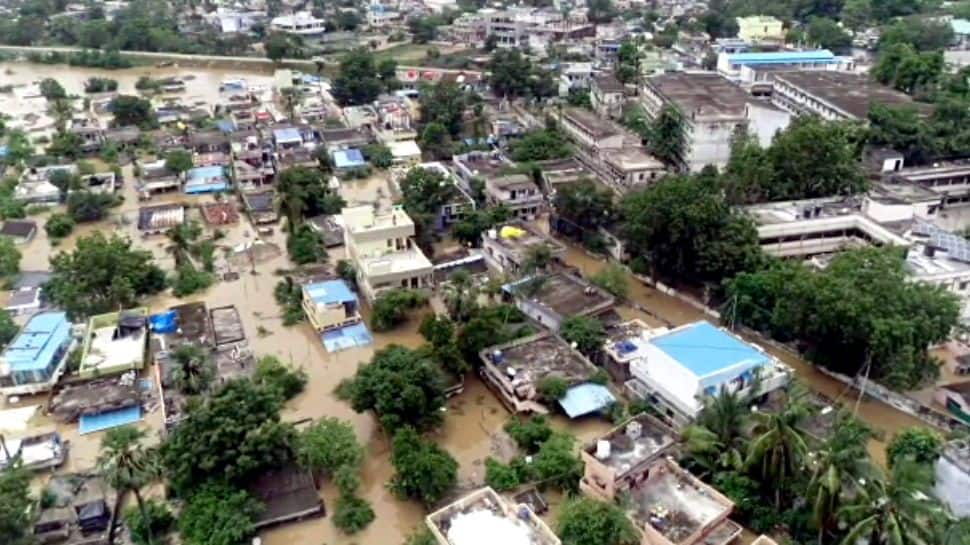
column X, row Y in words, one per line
column 701, row 94
column 675, row 503
column 567, row 295
column 639, row 439
column 483, row 517
column 851, row 93
column 534, row 358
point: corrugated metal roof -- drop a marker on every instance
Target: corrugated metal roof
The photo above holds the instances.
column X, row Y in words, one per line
column 782, row 57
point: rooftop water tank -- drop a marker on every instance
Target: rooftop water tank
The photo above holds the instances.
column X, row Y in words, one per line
column 602, row 450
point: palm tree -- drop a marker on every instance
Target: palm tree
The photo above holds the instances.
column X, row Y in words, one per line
column 839, row 469
column 897, row 511
column 957, row 533
column 127, row 466
column 183, row 238
column 461, row 296
column 717, row 437
column 778, row 451
column 194, row 371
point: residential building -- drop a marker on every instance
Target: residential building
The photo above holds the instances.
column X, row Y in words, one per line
column 760, row 28
column 517, row 192
column 507, row 248
column 532, row 28
column 730, row 65
column 813, row 227
column 35, row 452
column 261, row 206
column 480, row 165
column 613, row 461
column 518, row 370
column 457, row 202
column 575, row 76
column 551, row 298
column 341, row 139
column 115, row 343
column 19, row 231
column 589, row 130
column 620, row 348
column 379, row 15
column 953, row 477
column 947, row 181
column 405, row 152
column 631, row 168
column 670, row 506
column 941, row 258
column 712, row 110
column 557, row 173
column 330, row 305
column 832, row 95
column 37, row 356
column 484, row 516
column 300, row 23
column 675, row 369
column 607, row 96
column 155, row 220
column 381, row 245
column 955, row 397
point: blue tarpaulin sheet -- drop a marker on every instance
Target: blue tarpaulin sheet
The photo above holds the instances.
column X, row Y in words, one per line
column 91, row 423
column 586, row 398
column 164, row 322
column 351, row 336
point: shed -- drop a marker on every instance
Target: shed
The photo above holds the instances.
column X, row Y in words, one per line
column 350, row 158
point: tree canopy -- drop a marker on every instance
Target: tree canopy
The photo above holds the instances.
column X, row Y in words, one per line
column 391, row 308
column 585, row 331
column 585, row 521
column 15, row 504
column 918, row 444
column 360, row 78
column 130, row 110
column 102, row 274
column 218, row 515
column 423, row 470
column 305, row 193
column 512, row 74
column 402, row 386
column 540, row 145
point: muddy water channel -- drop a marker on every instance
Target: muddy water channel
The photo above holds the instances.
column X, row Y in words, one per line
column 473, row 421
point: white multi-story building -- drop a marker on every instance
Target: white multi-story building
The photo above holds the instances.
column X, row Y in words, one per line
column 383, row 251
column 300, row 23
column 832, row 95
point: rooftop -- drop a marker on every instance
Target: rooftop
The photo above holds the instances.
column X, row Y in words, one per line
column 511, row 182
column 227, row 325
column 851, row 93
column 701, row 94
column 115, row 343
column 783, row 57
column 286, row 493
column 480, row 164
column 220, row 213
column 637, row 440
column 564, row 294
column 705, row 350
column 395, row 262
column 160, row 217
column 590, row 122
column 329, row 292
column 483, row 517
column 349, row 158
column 360, row 219
column 531, row 359
column 675, row 503
column 518, row 238
column 633, row 159
column 18, row 228
column 35, row 345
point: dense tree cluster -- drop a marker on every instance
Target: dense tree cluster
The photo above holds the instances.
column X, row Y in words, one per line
column 391, row 308
column 860, row 315
column 540, row 145
column 305, row 193
column 362, row 78
column 511, row 74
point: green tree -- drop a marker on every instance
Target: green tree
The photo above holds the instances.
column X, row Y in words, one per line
column 614, row 279
column 461, row 296
column 902, row 66
column 423, row 28
column 513, row 75
column 778, row 452
column 435, row 141
column 59, row 225
column 584, row 204
column 274, row 375
column 379, row 155
column 391, row 308
column 600, row 11
column 306, row 245
column 218, row 514
column 358, row 81
column 279, row 45
column 923, row 33
column 86, row 206
column 9, row 257
column 101, row 275
column 352, row 514
column 585, row 521
column 8, row 328
column 131, row 110
column 919, row 444
column 444, row 103
column 423, row 470
column 540, row 145
column 585, row 332
column 827, row 33
column 305, row 194
column 193, row 371
column 683, row 228
column 897, row 511
column 233, row 435
column 328, row 445
column 15, row 504
column 52, row 90
column 629, row 61
column 178, row 161
column 127, row 466
column 156, row 522
column 100, row 85
column 529, row 434
column 666, row 139
column 402, row 386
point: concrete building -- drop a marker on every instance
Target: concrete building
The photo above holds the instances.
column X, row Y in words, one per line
column 330, row 305
column 383, row 251
column 760, row 28
column 589, row 130
column 832, row 95
column 115, row 343
column 507, row 248
column 712, row 109
column 517, row 192
column 37, row 356
column 813, row 227
column 730, row 65
column 607, row 96
column 557, row 296
column 955, row 397
column 953, row 477
column 484, row 517
column 948, row 181
column 457, row 201
column 300, row 23
column 613, row 461
column 628, row 169
column 941, row 258
column 518, row 371
column 532, row 28
column 675, row 369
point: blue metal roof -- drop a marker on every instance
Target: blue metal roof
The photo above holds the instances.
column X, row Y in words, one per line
column 586, row 398
column 783, row 57
column 202, row 173
column 348, row 158
column 35, row 345
column 330, row 291
column 287, row 135
column 704, row 349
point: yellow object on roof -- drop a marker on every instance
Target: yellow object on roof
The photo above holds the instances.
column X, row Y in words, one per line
column 510, row 231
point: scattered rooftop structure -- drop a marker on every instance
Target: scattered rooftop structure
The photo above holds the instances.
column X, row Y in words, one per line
column 551, row 298
column 96, row 397
column 517, row 369
column 484, row 517
column 36, row 452
column 507, row 248
column 154, row 220
column 613, row 461
column 220, row 213
column 20, row 231
column 287, row 494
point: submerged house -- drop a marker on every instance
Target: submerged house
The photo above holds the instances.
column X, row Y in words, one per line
column 115, row 343
column 37, row 357
column 330, row 305
column 36, row 453
column 207, row 179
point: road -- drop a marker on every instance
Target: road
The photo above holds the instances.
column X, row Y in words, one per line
column 161, row 56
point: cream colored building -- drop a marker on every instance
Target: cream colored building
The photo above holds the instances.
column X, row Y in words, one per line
column 484, row 517
column 760, row 28
column 330, row 305
column 381, row 245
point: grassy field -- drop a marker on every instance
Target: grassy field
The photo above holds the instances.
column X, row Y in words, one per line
column 414, row 54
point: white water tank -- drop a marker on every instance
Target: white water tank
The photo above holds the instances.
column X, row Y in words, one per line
column 633, row 430
column 602, row 450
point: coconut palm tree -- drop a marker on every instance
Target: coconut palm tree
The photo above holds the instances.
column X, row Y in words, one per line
column 194, row 371
column 896, row 511
column 957, row 533
column 716, row 439
column 839, row 470
column 461, row 296
column 183, row 238
column 778, row 450
column 126, row 465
